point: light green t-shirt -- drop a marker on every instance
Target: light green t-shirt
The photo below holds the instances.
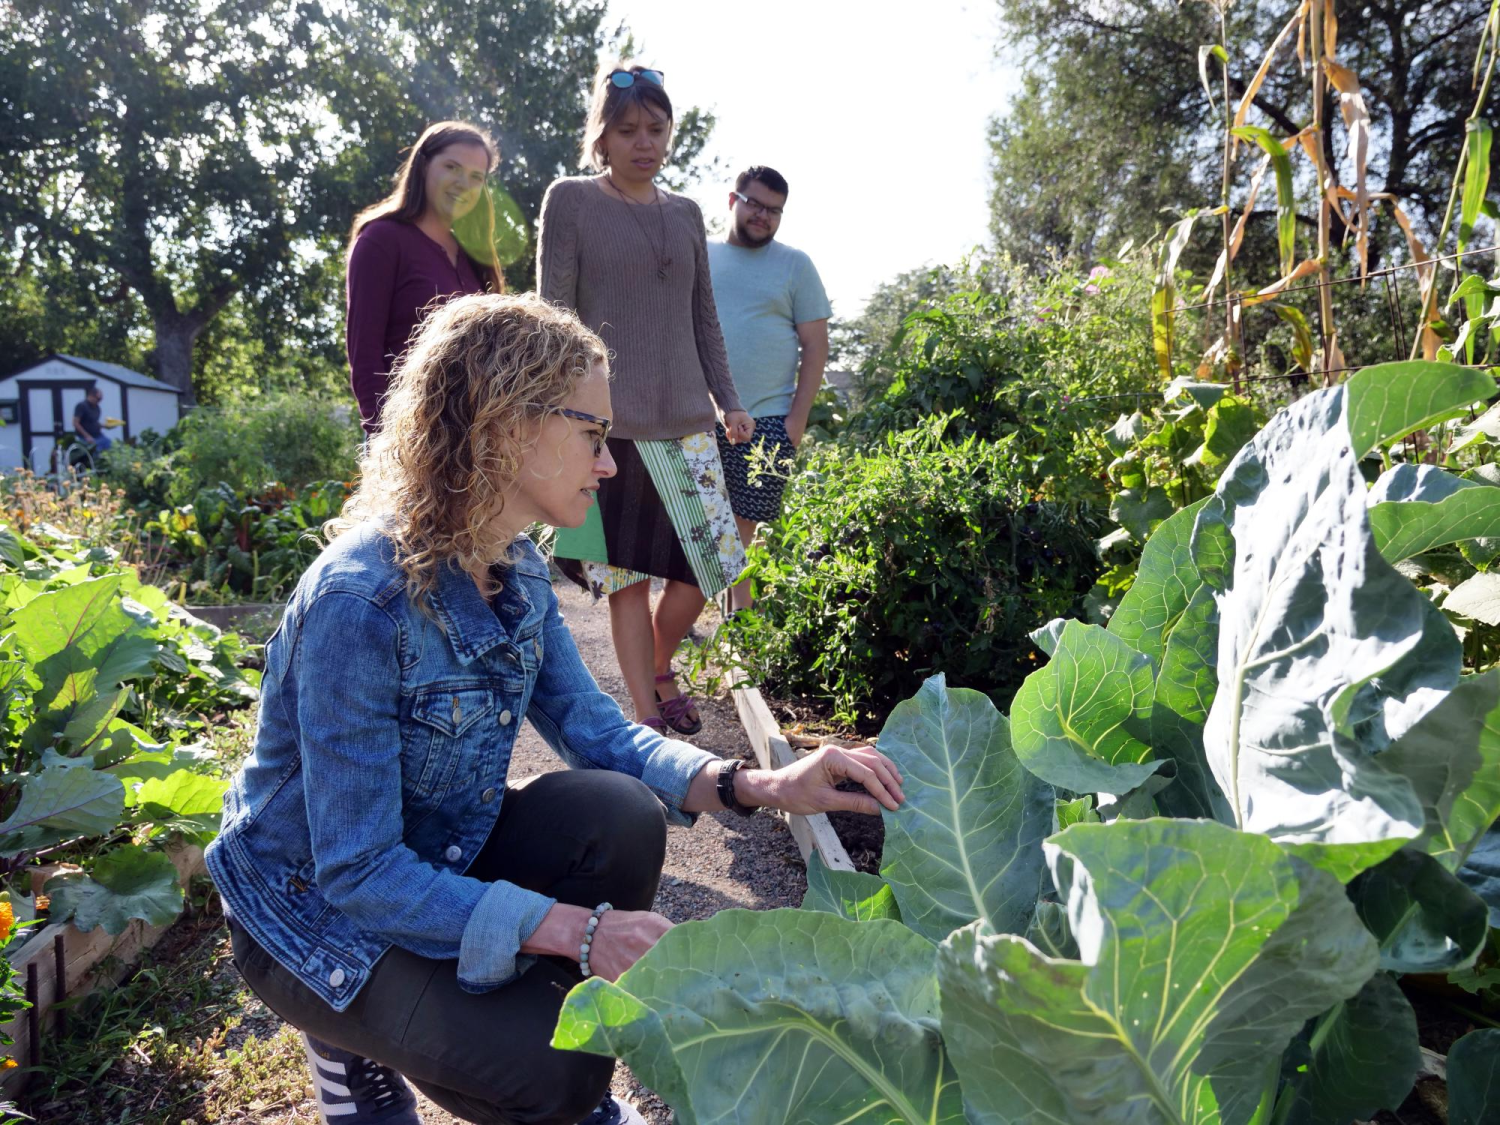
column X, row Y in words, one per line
column 762, row 295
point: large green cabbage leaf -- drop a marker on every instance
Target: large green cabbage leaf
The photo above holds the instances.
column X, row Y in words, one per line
column 780, row 1015
column 1414, row 508
column 1081, row 721
column 1203, row 952
column 1326, row 654
column 966, row 844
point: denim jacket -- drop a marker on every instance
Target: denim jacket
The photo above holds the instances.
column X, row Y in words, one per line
column 380, row 762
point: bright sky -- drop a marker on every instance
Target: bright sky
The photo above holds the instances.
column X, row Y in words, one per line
column 874, row 112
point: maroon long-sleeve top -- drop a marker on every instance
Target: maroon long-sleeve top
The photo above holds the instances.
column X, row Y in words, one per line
column 396, row 276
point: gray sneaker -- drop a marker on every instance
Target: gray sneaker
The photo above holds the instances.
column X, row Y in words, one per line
column 612, row 1111
column 352, row 1090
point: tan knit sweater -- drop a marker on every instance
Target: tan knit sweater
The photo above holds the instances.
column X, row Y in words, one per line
column 666, row 351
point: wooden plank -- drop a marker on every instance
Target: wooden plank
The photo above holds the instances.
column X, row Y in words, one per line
column 772, row 751
column 90, row 960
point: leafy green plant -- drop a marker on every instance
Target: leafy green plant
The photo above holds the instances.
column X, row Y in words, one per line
column 920, row 555
column 243, row 444
column 1030, row 362
column 1293, row 706
column 235, row 546
column 102, row 681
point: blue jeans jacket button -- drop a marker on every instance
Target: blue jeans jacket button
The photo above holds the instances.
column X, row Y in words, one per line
column 488, row 795
column 454, row 853
column 505, row 717
column 336, row 978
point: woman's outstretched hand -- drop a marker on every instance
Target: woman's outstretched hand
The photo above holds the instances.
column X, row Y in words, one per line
column 811, row 784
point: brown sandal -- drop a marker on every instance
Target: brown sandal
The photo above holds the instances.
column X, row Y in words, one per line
column 675, row 710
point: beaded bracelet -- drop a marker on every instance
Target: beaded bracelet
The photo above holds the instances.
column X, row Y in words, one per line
column 588, row 937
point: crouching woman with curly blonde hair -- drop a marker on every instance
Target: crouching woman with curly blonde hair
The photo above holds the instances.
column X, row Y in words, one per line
column 390, row 890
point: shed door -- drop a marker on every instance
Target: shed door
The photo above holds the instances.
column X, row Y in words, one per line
column 48, row 412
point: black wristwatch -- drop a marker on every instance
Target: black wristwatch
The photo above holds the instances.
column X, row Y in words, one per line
column 727, row 769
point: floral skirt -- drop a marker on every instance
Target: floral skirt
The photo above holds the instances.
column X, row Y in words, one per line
column 664, row 514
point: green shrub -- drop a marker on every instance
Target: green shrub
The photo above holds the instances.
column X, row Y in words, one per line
column 1040, row 364
column 289, row 438
column 916, row 556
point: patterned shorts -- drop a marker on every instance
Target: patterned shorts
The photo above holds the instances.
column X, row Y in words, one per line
column 757, row 471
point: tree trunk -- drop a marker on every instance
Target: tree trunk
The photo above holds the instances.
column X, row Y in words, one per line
column 172, row 357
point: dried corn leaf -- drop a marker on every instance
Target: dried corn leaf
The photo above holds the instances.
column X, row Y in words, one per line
column 1237, row 235
column 1426, row 275
column 1261, row 295
column 1357, row 122
column 1330, row 30
column 1164, row 295
column 1265, row 66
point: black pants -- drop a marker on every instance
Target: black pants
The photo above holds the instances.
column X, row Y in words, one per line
column 583, row 837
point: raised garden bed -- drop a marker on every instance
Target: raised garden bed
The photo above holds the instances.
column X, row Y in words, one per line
column 60, row 962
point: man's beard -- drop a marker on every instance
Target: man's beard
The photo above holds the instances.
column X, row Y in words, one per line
column 742, row 232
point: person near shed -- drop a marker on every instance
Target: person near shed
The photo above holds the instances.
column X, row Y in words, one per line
column 391, row 891
column 430, row 240
column 774, row 313
column 87, row 423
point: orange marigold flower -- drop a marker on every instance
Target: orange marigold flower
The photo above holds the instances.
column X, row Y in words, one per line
column 7, row 917
column 10, row 1064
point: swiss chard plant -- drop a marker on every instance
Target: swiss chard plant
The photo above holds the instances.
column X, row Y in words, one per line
column 231, row 545
column 1180, row 883
column 103, row 684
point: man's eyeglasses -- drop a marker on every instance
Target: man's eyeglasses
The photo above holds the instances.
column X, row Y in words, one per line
column 757, row 206
column 625, row 79
column 602, row 423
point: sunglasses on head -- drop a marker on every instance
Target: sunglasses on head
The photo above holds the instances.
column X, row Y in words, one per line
column 624, row 79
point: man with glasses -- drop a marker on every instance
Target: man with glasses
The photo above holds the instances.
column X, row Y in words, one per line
column 774, row 315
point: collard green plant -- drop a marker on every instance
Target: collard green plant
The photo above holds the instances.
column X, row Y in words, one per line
column 1296, row 707
column 968, row 846
column 786, row 1015
column 1474, row 1078
column 1202, row 952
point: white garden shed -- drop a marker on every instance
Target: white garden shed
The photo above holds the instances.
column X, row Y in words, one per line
column 36, row 404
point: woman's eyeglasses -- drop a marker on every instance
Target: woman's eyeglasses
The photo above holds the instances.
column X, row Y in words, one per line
column 757, row 206
column 602, row 423
column 625, row 79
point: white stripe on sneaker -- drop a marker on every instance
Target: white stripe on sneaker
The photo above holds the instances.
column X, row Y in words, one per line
column 338, row 1089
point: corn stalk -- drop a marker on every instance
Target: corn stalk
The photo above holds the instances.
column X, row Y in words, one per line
column 1465, row 175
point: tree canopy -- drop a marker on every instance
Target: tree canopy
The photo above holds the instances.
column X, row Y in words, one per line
column 163, row 162
column 1112, row 130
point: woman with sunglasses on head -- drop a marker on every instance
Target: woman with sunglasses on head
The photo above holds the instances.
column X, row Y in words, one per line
column 431, row 239
column 632, row 259
column 390, row 890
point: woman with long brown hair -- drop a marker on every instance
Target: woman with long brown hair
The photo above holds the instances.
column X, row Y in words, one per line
column 632, row 259
column 393, row 891
column 430, row 240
